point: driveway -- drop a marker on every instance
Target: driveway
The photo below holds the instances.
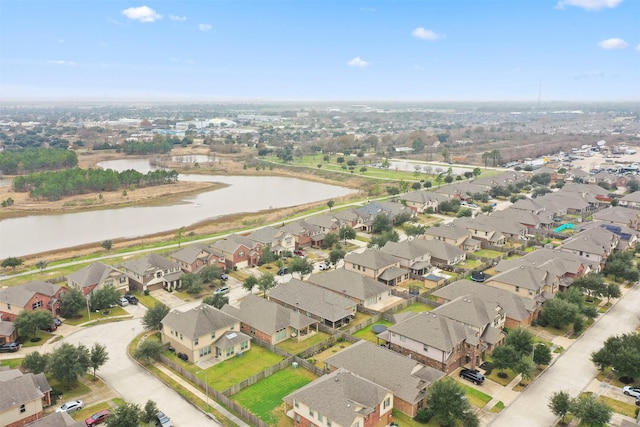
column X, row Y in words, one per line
column 128, row 379
column 573, row 371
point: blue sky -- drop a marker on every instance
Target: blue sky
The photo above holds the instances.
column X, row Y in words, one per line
column 419, row 50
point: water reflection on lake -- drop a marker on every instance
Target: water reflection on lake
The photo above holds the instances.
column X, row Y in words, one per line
column 33, row 234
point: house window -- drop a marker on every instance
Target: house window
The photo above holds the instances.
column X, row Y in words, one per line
column 8, row 306
column 229, row 351
column 356, row 424
column 311, row 414
column 296, row 404
column 253, row 331
column 195, row 342
column 241, row 253
column 205, row 350
column 530, row 293
column 244, row 345
column 425, row 347
column 328, row 423
column 517, row 288
column 180, row 336
column 386, row 403
column 403, row 338
column 22, row 408
column 36, row 305
column 281, row 334
column 213, row 334
column 297, row 419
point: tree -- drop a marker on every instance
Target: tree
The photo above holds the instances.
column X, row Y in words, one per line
column 477, row 172
column 266, row 282
column 192, row 283
column 613, row 291
column 542, row 355
column 521, row 340
column 42, row 264
column 447, row 403
column 560, row 404
column 414, row 230
column 336, row 255
column 403, row 186
column 382, row 239
column 504, row 357
column 107, row 245
column 126, row 415
column 381, row 223
column 592, row 284
column 149, row 412
column 105, row 297
column 35, row 362
column 301, row 265
column 331, row 204
column 28, row 322
column 149, row 350
column 590, row 411
column 72, row 302
column 250, row 283
column 12, row 262
column 446, row 154
column 525, row 368
column 217, row 300
column 98, row 356
column 559, row 313
column 330, row 240
column 152, row 319
column 68, row 362
column 179, row 234
column 621, row 353
column 210, row 273
column 347, row 233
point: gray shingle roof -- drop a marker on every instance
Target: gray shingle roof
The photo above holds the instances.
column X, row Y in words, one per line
column 44, row 288
column 407, row 249
column 340, row 396
column 267, row 316
column 371, row 258
column 353, row 284
column 92, row 274
column 470, row 310
column 7, row 328
column 16, row 295
column 56, row 419
column 190, row 253
column 230, row 339
column 313, row 299
column 618, row 214
column 150, row 263
column 16, row 390
column 265, row 235
column 525, row 276
column 404, row 377
column 198, row 321
column 449, row 231
column 433, row 330
column 595, row 240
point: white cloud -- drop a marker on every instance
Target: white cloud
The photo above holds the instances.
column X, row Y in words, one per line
column 62, row 62
column 589, row 4
column 142, row 14
column 177, row 18
column 358, row 62
column 424, row 34
column 204, row 27
column 613, row 43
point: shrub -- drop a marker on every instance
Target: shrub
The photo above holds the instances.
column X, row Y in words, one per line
column 423, row 416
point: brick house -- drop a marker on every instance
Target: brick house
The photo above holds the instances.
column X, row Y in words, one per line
column 194, row 258
column 239, row 251
column 153, row 272
column 22, row 397
column 34, row 295
column 97, row 275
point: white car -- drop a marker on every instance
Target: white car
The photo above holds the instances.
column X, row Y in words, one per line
column 123, row 301
column 631, row 391
column 323, row 266
column 71, row 406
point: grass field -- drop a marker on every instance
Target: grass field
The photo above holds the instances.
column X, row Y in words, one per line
column 416, row 307
column 294, row 347
column 114, row 311
column 12, row 363
column 487, row 253
column 87, row 411
column 476, row 397
column 367, row 334
column 229, row 372
column 266, row 395
column 624, row 408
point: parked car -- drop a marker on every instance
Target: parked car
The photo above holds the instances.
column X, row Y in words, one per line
column 299, row 252
column 57, row 321
column 123, row 302
column 97, row 418
column 132, row 299
column 472, row 375
column 283, row 271
column 51, row 327
column 631, row 391
column 182, row 356
column 224, row 276
column 222, row 290
column 324, row 266
column 163, row 420
column 71, row 406
column 9, row 347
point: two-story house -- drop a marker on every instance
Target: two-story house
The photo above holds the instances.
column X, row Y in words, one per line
column 377, row 265
column 195, row 257
column 454, row 235
column 619, row 215
column 364, row 290
column 98, row 275
column 412, row 254
column 408, row 380
column 33, row 295
column 204, row 332
column 22, row 397
column 530, row 281
column 153, row 272
column 593, row 245
column 239, row 251
column 340, row 399
column 271, row 322
column 423, row 201
column 277, row 239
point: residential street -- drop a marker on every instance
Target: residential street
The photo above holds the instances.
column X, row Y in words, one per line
column 573, row 370
column 128, row 379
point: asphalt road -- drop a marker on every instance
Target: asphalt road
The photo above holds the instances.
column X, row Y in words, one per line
column 128, row 379
column 573, row 371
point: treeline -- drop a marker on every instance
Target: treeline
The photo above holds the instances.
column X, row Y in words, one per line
column 70, row 182
column 36, row 159
column 152, row 147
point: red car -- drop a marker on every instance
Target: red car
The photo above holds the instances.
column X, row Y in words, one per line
column 97, row 418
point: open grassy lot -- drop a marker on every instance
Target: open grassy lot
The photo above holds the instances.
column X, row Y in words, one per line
column 72, row 391
column 42, row 335
column 266, row 395
column 367, row 334
column 294, row 347
column 224, row 374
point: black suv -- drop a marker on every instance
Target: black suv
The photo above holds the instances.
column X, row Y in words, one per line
column 131, row 299
column 472, row 375
column 10, row 347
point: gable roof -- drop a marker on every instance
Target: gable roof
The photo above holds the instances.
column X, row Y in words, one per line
column 16, row 295
column 56, row 419
column 44, row 288
column 190, row 253
column 440, row 249
column 340, row 396
column 555, row 260
column 407, row 249
column 434, row 330
column 371, row 258
column 313, row 299
column 595, row 240
column 150, row 263
column 198, row 321
column 267, row 316
column 424, row 196
column 515, row 306
column 632, row 197
column 448, row 231
column 18, row 389
column 525, row 276
column 408, row 380
column 92, row 274
column 265, row 235
column 618, row 214
column 349, row 283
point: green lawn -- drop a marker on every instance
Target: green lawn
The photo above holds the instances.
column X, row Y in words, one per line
column 73, row 391
column 498, row 407
column 87, row 411
column 487, row 253
column 229, row 372
column 43, row 335
column 360, row 317
column 404, row 420
column 476, row 397
column 367, row 334
column 266, row 395
column 416, row 307
column 294, row 347
column 502, row 381
column 624, row 408
column 114, row 311
column 146, row 300
column 12, row 363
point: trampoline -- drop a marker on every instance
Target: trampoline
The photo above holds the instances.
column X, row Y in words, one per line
column 378, row 329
